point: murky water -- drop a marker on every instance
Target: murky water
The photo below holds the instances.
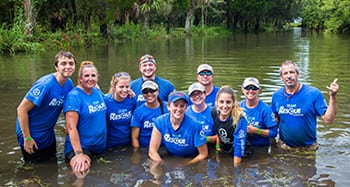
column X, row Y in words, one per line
column 321, row 59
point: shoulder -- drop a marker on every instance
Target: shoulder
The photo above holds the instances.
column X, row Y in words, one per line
column 309, row 88
column 163, row 81
column 136, row 81
column 278, row 92
column 216, row 89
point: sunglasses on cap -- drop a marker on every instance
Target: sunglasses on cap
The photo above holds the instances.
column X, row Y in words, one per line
column 208, row 73
column 251, row 87
column 121, row 74
column 149, row 90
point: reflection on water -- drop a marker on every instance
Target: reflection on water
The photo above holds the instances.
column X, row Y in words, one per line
column 321, row 59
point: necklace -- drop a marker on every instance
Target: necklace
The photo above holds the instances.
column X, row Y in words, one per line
column 289, row 95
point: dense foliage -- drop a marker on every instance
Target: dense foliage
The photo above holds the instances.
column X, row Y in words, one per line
column 27, row 24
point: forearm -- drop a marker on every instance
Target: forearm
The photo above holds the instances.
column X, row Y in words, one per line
column 202, row 154
column 236, row 161
column 154, row 155
column 331, row 111
column 24, row 123
column 211, row 139
column 75, row 140
column 135, row 137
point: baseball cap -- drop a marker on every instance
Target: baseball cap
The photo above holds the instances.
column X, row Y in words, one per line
column 251, row 81
column 203, row 67
column 175, row 96
column 149, row 84
column 195, row 86
column 147, row 58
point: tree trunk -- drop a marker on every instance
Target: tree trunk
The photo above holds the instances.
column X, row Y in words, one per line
column 188, row 19
column 28, row 17
column 74, row 9
column 229, row 17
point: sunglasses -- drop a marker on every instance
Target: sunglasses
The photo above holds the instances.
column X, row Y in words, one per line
column 121, row 74
column 146, row 91
column 251, row 87
column 208, row 73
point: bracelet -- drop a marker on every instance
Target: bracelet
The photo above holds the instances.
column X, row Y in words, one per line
column 78, row 152
column 29, row 138
column 207, row 138
column 217, row 146
column 259, row 131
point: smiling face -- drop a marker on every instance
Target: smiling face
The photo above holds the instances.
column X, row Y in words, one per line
column 197, row 97
column 121, row 89
column 65, row 66
column 250, row 92
column 148, row 70
column 88, row 78
column 224, row 105
column 150, row 95
column 177, row 109
column 205, row 77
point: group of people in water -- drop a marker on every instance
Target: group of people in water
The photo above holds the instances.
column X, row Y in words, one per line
column 149, row 112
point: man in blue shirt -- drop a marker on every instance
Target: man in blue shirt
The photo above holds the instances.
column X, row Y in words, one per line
column 148, row 67
column 205, row 76
column 39, row 110
column 297, row 106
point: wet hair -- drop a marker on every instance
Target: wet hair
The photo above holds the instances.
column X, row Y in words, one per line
column 63, row 54
column 237, row 112
column 118, row 77
column 289, row 62
column 83, row 65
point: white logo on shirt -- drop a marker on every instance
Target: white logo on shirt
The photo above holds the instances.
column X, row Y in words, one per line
column 175, row 140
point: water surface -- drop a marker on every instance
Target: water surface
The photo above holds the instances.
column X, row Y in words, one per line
column 321, row 58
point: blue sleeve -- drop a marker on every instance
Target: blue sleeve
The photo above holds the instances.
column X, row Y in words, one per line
column 272, row 132
column 270, row 122
column 240, row 136
column 135, row 119
column 72, row 102
column 320, row 104
column 199, row 136
column 36, row 94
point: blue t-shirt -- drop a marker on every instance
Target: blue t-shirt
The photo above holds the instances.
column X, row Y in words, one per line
column 261, row 116
column 204, row 119
column 165, row 88
column 210, row 99
column 92, row 119
column 298, row 115
column 143, row 118
column 183, row 141
column 48, row 96
column 118, row 120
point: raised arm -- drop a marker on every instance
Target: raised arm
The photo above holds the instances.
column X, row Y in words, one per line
column 331, row 112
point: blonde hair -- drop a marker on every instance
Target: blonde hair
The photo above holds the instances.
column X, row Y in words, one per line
column 237, row 112
column 117, row 77
column 83, row 65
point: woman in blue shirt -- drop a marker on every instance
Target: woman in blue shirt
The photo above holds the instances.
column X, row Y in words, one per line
column 85, row 112
column 120, row 108
column 180, row 134
column 144, row 116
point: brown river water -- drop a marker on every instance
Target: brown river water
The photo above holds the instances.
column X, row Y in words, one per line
column 321, row 57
